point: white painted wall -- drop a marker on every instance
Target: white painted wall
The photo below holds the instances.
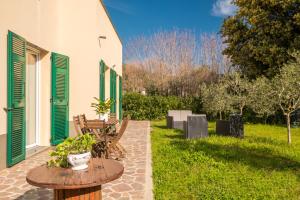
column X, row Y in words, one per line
column 67, row 27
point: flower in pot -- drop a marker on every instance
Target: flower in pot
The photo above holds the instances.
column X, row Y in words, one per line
column 102, row 107
column 73, row 151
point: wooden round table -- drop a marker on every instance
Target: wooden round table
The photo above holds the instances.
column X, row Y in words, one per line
column 69, row 184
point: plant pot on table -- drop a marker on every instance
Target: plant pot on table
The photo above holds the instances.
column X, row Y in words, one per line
column 79, row 161
column 103, row 116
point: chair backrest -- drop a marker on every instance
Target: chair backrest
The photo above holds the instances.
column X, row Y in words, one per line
column 121, row 131
column 82, row 122
column 77, row 124
column 112, row 115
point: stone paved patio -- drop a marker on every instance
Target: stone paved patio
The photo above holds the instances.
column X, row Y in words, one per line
column 136, row 182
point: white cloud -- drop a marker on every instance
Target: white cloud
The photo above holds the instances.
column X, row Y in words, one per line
column 120, row 6
column 223, row 8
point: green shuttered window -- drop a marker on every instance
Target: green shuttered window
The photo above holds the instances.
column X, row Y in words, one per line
column 16, row 99
column 113, row 90
column 102, row 80
column 120, row 98
column 60, row 98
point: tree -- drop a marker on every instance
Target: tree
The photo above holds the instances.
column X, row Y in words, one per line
column 286, row 86
column 238, row 88
column 261, row 35
column 216, row 100
column 261, row 97
column 176, row 62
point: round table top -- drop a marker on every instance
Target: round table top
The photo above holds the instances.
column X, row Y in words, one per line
column 100, row 171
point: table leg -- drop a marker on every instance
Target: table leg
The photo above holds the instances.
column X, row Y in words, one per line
column 79, row 194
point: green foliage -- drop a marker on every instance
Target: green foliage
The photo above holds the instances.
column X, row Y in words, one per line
column 261, row 166
column 77, row 145
column 140, row 107
column 238, row 88
column 286, row 86
column 102, row 107
column 261, row 99
column 216, row 99
column 261, row 35
column 286, row 89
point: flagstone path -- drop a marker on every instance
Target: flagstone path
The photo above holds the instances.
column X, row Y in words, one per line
column 136, row 182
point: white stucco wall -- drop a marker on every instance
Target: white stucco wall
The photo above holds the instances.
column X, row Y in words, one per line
column 67, row 27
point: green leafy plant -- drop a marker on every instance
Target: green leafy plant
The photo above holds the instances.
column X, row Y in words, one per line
column 76, row 145
column 141, row 107
column 102, row 107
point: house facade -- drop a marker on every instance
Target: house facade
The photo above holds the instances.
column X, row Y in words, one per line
column 55, row 56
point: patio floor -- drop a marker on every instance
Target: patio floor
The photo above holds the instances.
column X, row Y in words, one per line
column 136, row 182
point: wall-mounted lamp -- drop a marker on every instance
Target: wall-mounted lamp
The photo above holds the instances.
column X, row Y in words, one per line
column 101, row 37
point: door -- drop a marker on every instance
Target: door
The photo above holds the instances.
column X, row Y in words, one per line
column 60, row 98
column 16, row 109
column 31, row 98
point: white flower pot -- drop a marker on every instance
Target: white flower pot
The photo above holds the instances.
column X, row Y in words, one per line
column 104, row 117
column 79, row 161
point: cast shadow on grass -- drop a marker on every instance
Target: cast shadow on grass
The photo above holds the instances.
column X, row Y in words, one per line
column 265, row 140
column 258, row 158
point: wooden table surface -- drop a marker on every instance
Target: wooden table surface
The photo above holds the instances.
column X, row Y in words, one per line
column 100, row 171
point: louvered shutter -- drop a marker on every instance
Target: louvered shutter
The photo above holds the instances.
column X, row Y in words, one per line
column 102, row 80
column 60, row 98
column 16, row 99
column 113, row 92
column 120, row 98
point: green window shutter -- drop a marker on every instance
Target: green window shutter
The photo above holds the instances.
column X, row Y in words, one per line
column 113, row 92
column 60, row 98
column 120, row 98
column 16, row 131
column 102, row 80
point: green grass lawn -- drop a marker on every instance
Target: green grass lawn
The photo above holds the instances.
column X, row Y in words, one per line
column 261, row 166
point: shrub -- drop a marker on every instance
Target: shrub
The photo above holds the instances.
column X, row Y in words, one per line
column 141, row 107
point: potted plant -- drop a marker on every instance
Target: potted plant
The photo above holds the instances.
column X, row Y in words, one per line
column 102, row 108
column 74, row 151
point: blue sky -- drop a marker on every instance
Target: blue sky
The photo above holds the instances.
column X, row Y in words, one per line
column 142, row 17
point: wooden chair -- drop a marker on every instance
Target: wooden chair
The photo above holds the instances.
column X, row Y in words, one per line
column 77, row 125
column 114, row 146
column 112, row 115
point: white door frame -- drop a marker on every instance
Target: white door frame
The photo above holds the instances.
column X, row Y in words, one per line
column 36, row 52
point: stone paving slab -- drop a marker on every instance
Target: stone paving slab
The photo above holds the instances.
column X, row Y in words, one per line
column 136, row 182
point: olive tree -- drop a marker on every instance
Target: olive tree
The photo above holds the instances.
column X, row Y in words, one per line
column 286, row 86
column 216, row 100
column 238, row 89
column 261, row 99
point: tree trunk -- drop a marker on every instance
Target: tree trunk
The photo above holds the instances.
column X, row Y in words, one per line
column 288, row 123
column 241, row 111
column 220, row 115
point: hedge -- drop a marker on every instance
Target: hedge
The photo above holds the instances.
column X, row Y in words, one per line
column 141, row 107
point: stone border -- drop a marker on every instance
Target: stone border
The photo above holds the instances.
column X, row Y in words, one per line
column 149, row 181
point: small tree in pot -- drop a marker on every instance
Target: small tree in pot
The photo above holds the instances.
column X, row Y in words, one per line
column 102, row 108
